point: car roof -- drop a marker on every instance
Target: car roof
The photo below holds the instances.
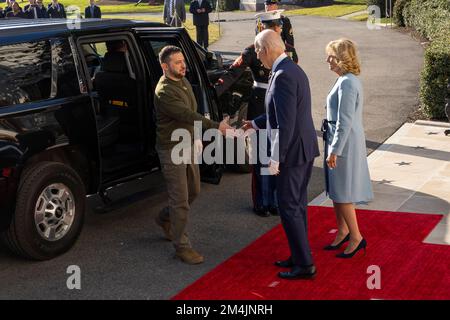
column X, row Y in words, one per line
column 14, row 30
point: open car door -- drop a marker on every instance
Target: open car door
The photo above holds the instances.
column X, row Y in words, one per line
column 152, row 40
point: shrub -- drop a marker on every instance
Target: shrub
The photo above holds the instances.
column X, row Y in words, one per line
column 435, row 78
column 398, row 12
column 428, row 17
column 407, row 14
column 227, row 5
column 431, row 19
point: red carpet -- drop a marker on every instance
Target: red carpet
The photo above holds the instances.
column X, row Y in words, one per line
column 410, row 269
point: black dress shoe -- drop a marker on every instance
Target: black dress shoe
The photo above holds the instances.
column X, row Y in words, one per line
column 274, row 211
column 284, row 263
column 337, row 246
column 298, row 272
column 262, row 211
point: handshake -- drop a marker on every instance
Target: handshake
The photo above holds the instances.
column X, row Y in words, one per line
column 245, row 130
column 231, row 132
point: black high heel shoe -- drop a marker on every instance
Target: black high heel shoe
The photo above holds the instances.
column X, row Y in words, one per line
column 337, row 246
column 361, row 245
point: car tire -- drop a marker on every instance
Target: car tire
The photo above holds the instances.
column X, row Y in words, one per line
column 49, row 212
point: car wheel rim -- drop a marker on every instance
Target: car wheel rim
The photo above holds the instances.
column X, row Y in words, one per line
column 54, row 212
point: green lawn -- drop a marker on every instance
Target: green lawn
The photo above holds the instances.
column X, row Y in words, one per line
column 116, row 8
column 336, row 10
column 364, row 17
column 190, row 28
column 352, row 2
column 342, row 7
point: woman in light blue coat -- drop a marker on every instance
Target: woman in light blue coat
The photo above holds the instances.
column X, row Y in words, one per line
column 346, row 170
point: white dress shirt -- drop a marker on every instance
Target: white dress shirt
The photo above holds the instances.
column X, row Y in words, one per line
column 278, row 60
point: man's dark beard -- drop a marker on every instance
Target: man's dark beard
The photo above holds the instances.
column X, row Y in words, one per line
column 178, row 75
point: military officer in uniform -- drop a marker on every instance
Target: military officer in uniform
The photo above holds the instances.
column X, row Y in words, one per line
column 263, row 186
column 287, row 34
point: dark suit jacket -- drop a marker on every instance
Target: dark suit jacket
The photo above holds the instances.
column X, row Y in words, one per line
column 97, row 12
column 179, row 9
column 54, row 13
column 288, row 109
column 200, row 19
column 21, row 14
column 40, row 12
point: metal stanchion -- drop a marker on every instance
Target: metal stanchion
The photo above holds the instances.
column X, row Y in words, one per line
column 390, row 11
column 217, row 14
column 390, row 16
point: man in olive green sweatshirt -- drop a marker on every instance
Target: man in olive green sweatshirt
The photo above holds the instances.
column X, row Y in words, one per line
column 176, row 108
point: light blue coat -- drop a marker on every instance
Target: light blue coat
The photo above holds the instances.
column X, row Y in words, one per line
column 349, row 182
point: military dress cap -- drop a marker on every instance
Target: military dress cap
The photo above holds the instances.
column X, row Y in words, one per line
column 269, row 15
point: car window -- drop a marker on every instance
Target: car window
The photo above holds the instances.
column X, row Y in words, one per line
column 25, row 72
column 106, row 55
column 67, row 83
column 158, row 44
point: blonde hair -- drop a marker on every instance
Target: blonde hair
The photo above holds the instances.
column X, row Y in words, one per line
column 346, row 55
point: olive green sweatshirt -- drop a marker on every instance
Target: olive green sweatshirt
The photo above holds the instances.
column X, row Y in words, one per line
column 176, row 108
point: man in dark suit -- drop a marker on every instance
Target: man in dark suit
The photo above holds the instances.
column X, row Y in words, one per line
column 200, row 10
column 174, row 13
column 92, row 11
column 27, row 6
column 56, row 10
column 293, row 147
column 35, row 10
column 8, row 7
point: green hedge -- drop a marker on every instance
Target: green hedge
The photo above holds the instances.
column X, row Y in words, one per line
column 226, row 5
column 434, row 78
column 431, row 19
column 398, row 12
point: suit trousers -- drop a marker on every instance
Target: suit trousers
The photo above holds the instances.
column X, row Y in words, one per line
column 183, row 186
column 174, row 22
column 203, row 36
column 292, row 183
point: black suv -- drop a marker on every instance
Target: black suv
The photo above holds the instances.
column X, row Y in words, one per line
column 76, row 118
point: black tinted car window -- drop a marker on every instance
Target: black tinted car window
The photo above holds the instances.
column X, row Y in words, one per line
column 67, row 83
column 25, row 72
column 158, row 45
